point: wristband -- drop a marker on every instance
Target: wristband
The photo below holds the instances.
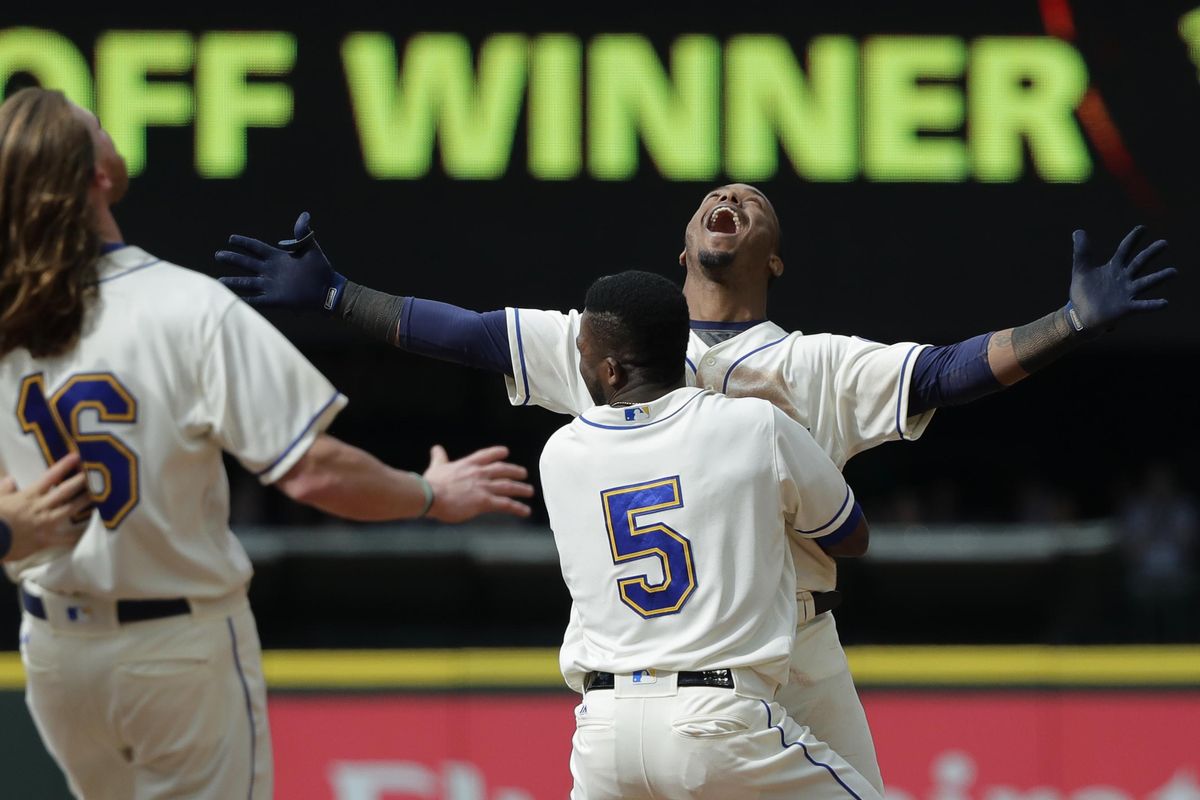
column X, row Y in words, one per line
column 1073, row 317
column 428, row 489
column 5, row 539
column 334, row 292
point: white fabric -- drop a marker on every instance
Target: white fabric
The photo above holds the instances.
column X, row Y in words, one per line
column 161, row 709
column 850, row 393
column 183, row 370
column 670, row 523
column 700, row 743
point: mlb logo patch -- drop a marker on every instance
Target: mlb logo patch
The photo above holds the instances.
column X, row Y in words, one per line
column 644, row 676
column 637, row 413
column 79, row 613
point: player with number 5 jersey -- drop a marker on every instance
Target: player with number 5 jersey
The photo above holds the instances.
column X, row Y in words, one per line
column 669, row 505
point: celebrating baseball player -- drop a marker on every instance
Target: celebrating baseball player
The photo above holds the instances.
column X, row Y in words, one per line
column 681, row 578
column 142, row 661
column 851, row 394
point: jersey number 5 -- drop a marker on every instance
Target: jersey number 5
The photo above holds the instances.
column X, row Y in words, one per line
column 630, row 541
column 55, row 423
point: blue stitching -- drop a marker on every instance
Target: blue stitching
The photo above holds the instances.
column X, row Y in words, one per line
column 249, row 709
column 296, row 441
column 131, row 269
column 647, row 425
column 733, row 366
column 900, row 394
column 521, row 354
column 835, row 516
column 807, row 755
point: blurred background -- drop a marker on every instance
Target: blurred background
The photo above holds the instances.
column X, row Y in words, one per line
column 1034, row 574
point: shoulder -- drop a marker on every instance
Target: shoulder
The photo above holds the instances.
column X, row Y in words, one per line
column 735, row 413
column 162, row 288
column 560, row 446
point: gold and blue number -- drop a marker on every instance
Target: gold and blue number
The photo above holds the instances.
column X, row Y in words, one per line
column 54, row 423
column 630, row 541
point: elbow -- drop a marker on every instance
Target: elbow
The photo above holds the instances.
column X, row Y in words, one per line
column 311, row 479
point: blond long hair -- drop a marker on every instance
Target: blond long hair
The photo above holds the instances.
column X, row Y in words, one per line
column 48, row 245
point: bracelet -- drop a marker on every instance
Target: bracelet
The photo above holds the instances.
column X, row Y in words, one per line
column 428, row 489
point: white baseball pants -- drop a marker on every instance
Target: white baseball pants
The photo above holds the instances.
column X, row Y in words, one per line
column 658, row 741
column 165, row 708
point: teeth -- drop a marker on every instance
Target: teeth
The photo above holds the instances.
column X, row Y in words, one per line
column 737, row 221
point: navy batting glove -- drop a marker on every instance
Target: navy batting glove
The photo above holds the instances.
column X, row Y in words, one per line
column 1104, row 294
column 294, row 274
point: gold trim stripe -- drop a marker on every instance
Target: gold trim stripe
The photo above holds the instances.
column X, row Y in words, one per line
column 537, row 668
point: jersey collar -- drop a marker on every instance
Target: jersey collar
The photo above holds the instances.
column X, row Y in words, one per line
column 119, row 262
column 758, row 334
column 642, row 415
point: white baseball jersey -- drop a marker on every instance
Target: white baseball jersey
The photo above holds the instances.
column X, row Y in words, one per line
column 669, row 520
column 851, row 394
column 171, row 370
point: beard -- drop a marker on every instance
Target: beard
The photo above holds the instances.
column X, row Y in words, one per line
column 714, row 259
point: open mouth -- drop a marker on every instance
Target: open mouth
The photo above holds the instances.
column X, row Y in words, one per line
column 724, row 219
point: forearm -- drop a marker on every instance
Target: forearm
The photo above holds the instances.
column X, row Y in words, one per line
column 347, row 482
column 1016, row 353
column 961, row 373
column 429, row 328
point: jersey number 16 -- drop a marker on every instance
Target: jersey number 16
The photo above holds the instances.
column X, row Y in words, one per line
column 54, row 422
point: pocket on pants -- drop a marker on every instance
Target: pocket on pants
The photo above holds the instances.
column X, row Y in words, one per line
column 168, row 707
column 708, row 727
column 711, row 713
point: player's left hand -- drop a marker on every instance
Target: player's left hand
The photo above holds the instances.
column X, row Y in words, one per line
column 294, row 274
column 42, row 516
column 1103, row 294
column 476, row 484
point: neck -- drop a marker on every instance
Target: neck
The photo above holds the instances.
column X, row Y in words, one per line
column 643, row 392
column 711, row 301
column 106, row 226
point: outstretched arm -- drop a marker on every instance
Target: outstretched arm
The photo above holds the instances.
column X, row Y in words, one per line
column 1101, row 295
column 297, row 274
column 343, row 480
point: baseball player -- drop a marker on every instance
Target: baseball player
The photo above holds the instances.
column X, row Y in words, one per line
column 852, row 394
column 142, row 661
column 682, row 582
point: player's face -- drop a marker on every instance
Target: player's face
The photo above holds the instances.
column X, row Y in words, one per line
column 734, row 234
column 111, row 171
column 592, row 361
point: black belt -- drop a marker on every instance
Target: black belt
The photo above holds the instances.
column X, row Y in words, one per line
column 826, row 601
column 127, row 610
column 718, row 678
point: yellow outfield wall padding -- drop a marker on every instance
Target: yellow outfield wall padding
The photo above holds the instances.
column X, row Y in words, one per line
column 537, row 668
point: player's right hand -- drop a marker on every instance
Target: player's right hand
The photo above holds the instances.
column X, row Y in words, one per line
column 477, row 484
column 42, row 515
column 293, row 274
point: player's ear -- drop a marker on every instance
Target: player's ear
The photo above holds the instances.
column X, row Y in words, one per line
column 101, row 180
column 613, row 373
column 775, row 264
column 683, row 257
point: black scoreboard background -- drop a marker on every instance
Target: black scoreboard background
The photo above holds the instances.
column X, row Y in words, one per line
column 884, row 257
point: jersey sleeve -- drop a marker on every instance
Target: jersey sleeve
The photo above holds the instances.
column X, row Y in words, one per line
column 817, row 500
column 545, row 361
column 265, row 402
column 866, row 387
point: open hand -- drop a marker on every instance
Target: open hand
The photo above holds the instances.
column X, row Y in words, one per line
column 476, row 484
column 1103, row 294
column 293, row 274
